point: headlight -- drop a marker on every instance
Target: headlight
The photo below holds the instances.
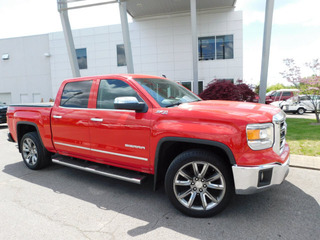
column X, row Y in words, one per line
column 260, row 136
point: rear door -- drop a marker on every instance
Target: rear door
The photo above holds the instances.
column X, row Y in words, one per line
column 70, row 120
column 119, row 137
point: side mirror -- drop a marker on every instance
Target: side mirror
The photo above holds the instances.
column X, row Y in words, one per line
column 129, row 103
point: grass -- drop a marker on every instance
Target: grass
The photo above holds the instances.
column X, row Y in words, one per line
column 302, row 137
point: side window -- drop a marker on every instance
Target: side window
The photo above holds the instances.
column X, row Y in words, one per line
column 286, row 94
column 76, row 94
column 111, row 89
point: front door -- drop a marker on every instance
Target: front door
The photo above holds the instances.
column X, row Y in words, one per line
column 119, row 137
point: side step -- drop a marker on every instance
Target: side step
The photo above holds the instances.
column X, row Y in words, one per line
column 101, row 169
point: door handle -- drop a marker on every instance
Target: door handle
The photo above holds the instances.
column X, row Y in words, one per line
column 57, row 116
column 96, row 119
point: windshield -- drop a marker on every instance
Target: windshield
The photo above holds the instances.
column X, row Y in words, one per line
column 167, row 93
column 270, row 93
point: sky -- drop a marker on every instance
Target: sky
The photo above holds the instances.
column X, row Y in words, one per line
column 295, row 29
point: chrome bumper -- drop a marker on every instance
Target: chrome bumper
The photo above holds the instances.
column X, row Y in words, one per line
column 248, row 180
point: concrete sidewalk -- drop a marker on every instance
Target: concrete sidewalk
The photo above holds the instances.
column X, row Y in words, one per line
column 303, row 161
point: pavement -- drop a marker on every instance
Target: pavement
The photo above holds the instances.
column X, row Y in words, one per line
column 64, row 203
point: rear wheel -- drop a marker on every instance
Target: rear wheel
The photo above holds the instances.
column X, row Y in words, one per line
column 199, row 183
column 34, row 155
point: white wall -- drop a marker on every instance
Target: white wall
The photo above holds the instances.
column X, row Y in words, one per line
column 160, row 45
column 27, row 71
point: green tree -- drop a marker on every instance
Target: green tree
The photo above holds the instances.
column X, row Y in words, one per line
column 279, row 86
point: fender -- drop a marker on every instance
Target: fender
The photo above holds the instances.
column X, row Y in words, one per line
column 27, row 123
column 219, row 145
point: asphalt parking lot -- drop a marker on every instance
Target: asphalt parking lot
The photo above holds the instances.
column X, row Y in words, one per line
column 64, row 203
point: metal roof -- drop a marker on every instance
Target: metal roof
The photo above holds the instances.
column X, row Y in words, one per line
column 147, row 8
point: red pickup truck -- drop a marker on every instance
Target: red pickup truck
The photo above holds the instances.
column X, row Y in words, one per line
column 132, row 126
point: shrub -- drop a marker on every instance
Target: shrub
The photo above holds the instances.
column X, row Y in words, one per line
column 224, row 90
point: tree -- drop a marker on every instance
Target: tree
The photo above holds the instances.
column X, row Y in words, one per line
column 225, row 90
column 278, row 86
column 293, row 72
column 309, row 86
column 314, row 66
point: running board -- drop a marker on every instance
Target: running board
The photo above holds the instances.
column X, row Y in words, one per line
column 100, row 169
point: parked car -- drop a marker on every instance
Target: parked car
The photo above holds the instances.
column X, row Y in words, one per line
column 300, row 104
column 3, row 113
column 133, row 126
column 280, row 95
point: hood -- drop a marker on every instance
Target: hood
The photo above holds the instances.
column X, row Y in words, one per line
column 244, row 111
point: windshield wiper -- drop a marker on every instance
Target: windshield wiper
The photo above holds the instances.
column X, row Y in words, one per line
column 178, row 103
column 174, row 104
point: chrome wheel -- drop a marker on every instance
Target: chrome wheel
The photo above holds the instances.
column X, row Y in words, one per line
column 199, row 185
column 30, row 152
column 300, row 111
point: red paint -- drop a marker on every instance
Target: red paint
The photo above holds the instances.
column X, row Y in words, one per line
column 127, row 133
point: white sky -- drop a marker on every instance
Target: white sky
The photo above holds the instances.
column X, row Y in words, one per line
column 295, row 31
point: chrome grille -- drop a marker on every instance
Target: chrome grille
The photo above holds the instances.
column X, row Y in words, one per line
column 280, row 124
column 283, row 132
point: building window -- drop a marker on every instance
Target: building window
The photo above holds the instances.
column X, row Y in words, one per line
column 121, row 56
column 207, row 48
column 224, row 46
column 215, row 47
column 225, row 80
column 82, row 58
column 190, row 86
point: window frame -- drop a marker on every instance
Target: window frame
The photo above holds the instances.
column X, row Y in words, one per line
column 215, row 57
column 191, row 82
column 138, row 96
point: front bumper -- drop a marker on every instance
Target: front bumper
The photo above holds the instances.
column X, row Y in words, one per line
column 248, row 180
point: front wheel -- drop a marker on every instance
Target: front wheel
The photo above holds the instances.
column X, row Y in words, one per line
column 199, row 183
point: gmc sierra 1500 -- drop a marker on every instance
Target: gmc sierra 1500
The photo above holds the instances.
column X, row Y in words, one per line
column 139, row 125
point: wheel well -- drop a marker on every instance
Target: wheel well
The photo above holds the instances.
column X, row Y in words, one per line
column 170, row 149
column 22, row 129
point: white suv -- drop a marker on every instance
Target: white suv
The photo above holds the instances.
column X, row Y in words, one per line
column 300, row 104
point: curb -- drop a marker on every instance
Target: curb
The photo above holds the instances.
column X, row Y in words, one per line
column 306, row 162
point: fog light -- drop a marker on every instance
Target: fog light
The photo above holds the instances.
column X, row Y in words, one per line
column 264, row 177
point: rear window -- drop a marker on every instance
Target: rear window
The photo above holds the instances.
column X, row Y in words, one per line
column 76, row 94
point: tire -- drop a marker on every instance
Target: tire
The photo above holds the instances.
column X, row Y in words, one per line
column 300, row 111
column 34, row 155
column 199, row 183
